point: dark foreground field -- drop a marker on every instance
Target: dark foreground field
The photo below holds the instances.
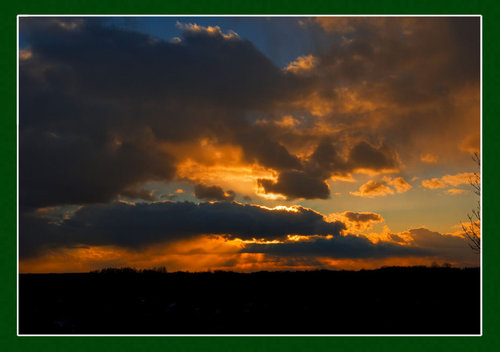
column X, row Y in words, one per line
column 414, row 300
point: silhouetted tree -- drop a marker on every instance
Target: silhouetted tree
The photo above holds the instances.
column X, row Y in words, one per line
column 160, row 269
column 472, row 228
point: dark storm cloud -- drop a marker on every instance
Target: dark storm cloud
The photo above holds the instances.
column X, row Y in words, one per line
column 363, row 155
column 337, row 247
column 206, row 192
column 362, row 217
column 453, row 247
column 57, row 169
column 265, row 150
column 360, row 221
column 325, row 162
column 135, row 226
column 296, row 184
column 445, row 246
column 419, row 242
column 97, row 102
column 138, row 193
column 116, row 63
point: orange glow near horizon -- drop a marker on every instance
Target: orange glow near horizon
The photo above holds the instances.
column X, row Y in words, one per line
column 85, row 260
column 213, row 252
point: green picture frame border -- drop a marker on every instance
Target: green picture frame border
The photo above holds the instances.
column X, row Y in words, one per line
column 489, row 341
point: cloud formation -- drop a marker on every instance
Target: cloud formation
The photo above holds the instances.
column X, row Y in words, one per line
column 302, row 64
column 357, row 221
column 399, row 184
column 341, row 247
column 419, row 242
column 362, row 217
column 373, row 189
column 205, row 192
column 102, row 125
column 449, row 247
column 325, row 162
column 139, row 225
column 296, row 184
column 448, row 180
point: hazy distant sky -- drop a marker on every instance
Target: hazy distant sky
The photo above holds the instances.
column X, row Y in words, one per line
column 246, row 143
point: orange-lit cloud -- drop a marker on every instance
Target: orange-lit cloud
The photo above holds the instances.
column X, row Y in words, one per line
column 399, row 184
column 373, row 189
column 448, row 180
column 357, row 221
column 458, row 179
column 210, row 30
column 303, row 63
column 205, row 151
column 287, row 121
column 130, row 225
column 433, row 183
column 240, row 178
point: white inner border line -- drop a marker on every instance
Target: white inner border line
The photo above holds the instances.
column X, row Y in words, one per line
column 261, row 335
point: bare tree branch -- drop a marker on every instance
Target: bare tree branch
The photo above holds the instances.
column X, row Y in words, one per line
column 472, row 229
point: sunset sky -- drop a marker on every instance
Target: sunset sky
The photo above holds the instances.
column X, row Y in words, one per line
column 246, row 143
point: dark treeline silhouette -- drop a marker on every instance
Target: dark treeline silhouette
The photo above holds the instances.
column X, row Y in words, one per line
column 393, row 300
